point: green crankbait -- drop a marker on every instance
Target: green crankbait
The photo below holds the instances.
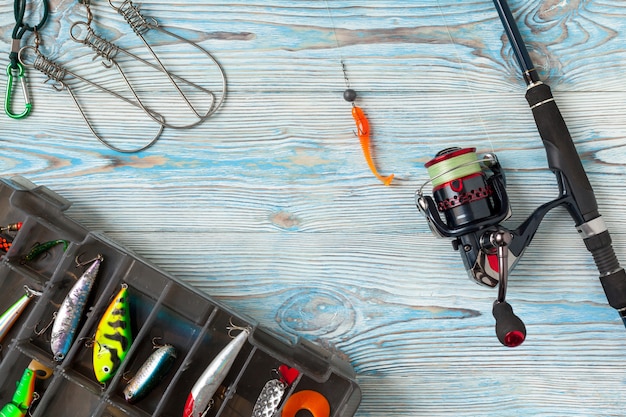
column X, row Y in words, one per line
column 23, row 396
column 113, row 337
column 25, row 392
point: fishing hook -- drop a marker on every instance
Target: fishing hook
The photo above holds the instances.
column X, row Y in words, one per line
column 98, row 257
column 232, row 327
column 45, row 329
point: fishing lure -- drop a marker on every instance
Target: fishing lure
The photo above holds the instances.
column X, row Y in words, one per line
column 42, row 248
column 199, row 399
column 153, row 370
column 7, row 241
column 69, row 314
column 362, row 124
column 10, row 316
column 311, row 401
column 273, row 392
column 113, row 337
column 363, row 130
column 24, row 395
column 12, row 227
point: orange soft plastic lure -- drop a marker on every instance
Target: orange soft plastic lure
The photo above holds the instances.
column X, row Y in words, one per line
column 363, row 130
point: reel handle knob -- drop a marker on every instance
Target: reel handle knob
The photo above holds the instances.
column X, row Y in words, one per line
column 510, row 329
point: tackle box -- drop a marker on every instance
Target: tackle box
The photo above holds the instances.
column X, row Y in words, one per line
column 162, row 309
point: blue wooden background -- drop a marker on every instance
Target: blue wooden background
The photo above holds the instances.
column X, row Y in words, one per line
column 269, row 206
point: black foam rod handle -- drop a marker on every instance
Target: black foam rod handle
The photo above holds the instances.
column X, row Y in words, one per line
column 510, row 329
column 560, row 149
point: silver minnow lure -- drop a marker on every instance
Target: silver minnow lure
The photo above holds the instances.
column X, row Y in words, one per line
column 10, row 316
column 69, row 314
column 150, row 373
column 269, row 399
column 205, row 387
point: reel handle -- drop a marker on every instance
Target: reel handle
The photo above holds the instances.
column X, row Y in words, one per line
column 510, row 329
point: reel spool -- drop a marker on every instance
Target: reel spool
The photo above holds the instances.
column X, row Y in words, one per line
column 460, row 188
column 470, row 194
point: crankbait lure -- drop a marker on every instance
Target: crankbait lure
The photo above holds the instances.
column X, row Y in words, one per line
column 153, row 370
column 312, row 401
column 10, row 316
column 42, row 248
column 69, row 314
column 113, row 337
column 25, row 392
column 23, row 396
column 199, row 399
column 273, row 392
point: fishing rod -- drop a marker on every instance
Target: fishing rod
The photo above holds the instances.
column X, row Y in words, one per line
column 470, row 192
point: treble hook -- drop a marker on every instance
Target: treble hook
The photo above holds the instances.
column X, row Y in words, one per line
column 78, row 262
column 232, row 327
column 45, row 329
column 8, row 97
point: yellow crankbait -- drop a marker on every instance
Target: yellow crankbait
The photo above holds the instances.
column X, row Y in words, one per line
column 113, row 337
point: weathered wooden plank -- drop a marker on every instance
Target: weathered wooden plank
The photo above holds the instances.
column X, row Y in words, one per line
column 269, row 207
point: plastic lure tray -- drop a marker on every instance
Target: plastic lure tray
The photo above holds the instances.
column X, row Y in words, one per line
column 162, row 309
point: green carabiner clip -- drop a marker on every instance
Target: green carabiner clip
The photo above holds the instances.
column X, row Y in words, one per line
column 7, row 100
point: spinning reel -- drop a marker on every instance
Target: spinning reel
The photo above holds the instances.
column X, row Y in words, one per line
column 470, row 193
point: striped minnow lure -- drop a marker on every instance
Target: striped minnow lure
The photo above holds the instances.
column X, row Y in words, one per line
column 273, row 392
column 199, row 399
column 9, row 317
column 150, row 373
column 113, row 337
column 24, row 394
column 68, row 317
